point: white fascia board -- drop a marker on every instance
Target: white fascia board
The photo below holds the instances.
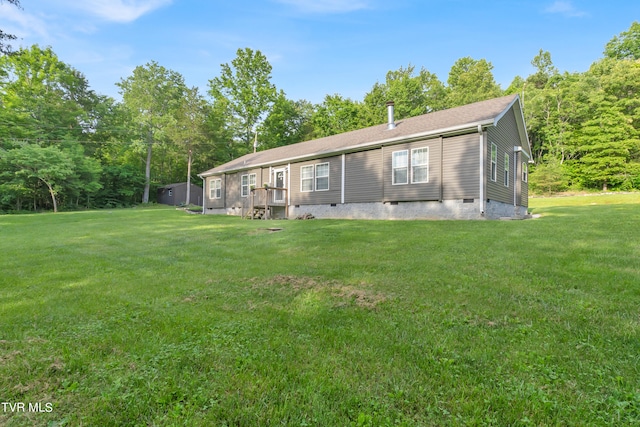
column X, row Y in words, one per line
column 501, row 115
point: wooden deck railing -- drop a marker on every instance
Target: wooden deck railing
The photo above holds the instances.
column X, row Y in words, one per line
column 266, row 196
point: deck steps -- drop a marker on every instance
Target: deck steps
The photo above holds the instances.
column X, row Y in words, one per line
column 256, row 213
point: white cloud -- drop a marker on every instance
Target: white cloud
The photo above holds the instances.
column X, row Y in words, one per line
column 18, row 22
column 564, row 7
column 120, row 10
column 326, row 6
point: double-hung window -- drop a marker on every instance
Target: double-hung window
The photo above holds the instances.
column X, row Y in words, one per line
column 314, row 177
column 246, row 183
column 506, row 169
column 420, row 165
column 215, row 189
column 322, row 176
column 400, row 167
column 525, row 171
column 306, row 178
column 494, row 162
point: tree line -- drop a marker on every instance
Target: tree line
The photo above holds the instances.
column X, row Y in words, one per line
column 63, row 145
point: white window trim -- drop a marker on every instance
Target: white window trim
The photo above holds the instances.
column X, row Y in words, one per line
column 393, row 169
column 494, row 163
column 215, row 189
column 302, row 178
column 507, row 162
column 525, row 172
column 316, row 176
column 245, row 188
column 413, row 181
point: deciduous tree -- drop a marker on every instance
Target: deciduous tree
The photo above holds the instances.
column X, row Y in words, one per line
column 336, row 115
column 152, row 94
column 413, row 94
column 188, row 129
column 470, row 81
column 244, row 94
column 288, row 122
column 626, row 45
column 24, row 167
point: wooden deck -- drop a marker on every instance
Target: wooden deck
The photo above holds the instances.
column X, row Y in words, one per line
column 262, row 201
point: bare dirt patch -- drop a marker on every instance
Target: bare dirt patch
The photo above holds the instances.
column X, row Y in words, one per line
column 268, row 230
column 9, row 357
column 358, row 295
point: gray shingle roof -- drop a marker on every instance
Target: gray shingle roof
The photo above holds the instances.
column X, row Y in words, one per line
column 444, row 121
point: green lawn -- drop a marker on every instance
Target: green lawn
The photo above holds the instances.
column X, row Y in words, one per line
column 153, row 317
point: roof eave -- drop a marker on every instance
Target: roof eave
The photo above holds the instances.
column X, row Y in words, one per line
column 383, row 142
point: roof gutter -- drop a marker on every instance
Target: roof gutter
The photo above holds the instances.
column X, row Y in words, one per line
column 471, row 127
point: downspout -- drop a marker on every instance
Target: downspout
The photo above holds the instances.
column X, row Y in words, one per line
column 515, row 177
column 204, row 192
column 441, row 169
column 482, row 172
column 288, row 186
column 343, row 179
column 382, row 172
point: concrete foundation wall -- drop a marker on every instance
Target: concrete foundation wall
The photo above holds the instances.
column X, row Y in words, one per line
column 496, row 210
column 223, row 211
column 447, row 209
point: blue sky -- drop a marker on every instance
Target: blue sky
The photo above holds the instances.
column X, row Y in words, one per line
column 317, row 47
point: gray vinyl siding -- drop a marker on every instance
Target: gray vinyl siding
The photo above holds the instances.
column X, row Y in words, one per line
column 257, row 172
column 525, row 185
column 363, row 177
column 231, row 188
column 179, row 194
column 263, row 177
column 523, row 188
column 461, row 167
column 506, row 137
column 412, row 192
column 332, row 195
column 214, row 203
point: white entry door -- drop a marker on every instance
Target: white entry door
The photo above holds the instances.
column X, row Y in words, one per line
column 279, row 181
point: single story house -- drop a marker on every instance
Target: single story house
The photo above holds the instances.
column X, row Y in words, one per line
column 176, row 194
column 468, row 162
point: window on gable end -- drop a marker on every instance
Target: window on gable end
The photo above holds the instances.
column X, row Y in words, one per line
column 494, row 162
column 506, row 169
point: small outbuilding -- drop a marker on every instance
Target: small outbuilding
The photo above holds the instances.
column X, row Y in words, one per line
column 176, row 194
column 468, row 162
